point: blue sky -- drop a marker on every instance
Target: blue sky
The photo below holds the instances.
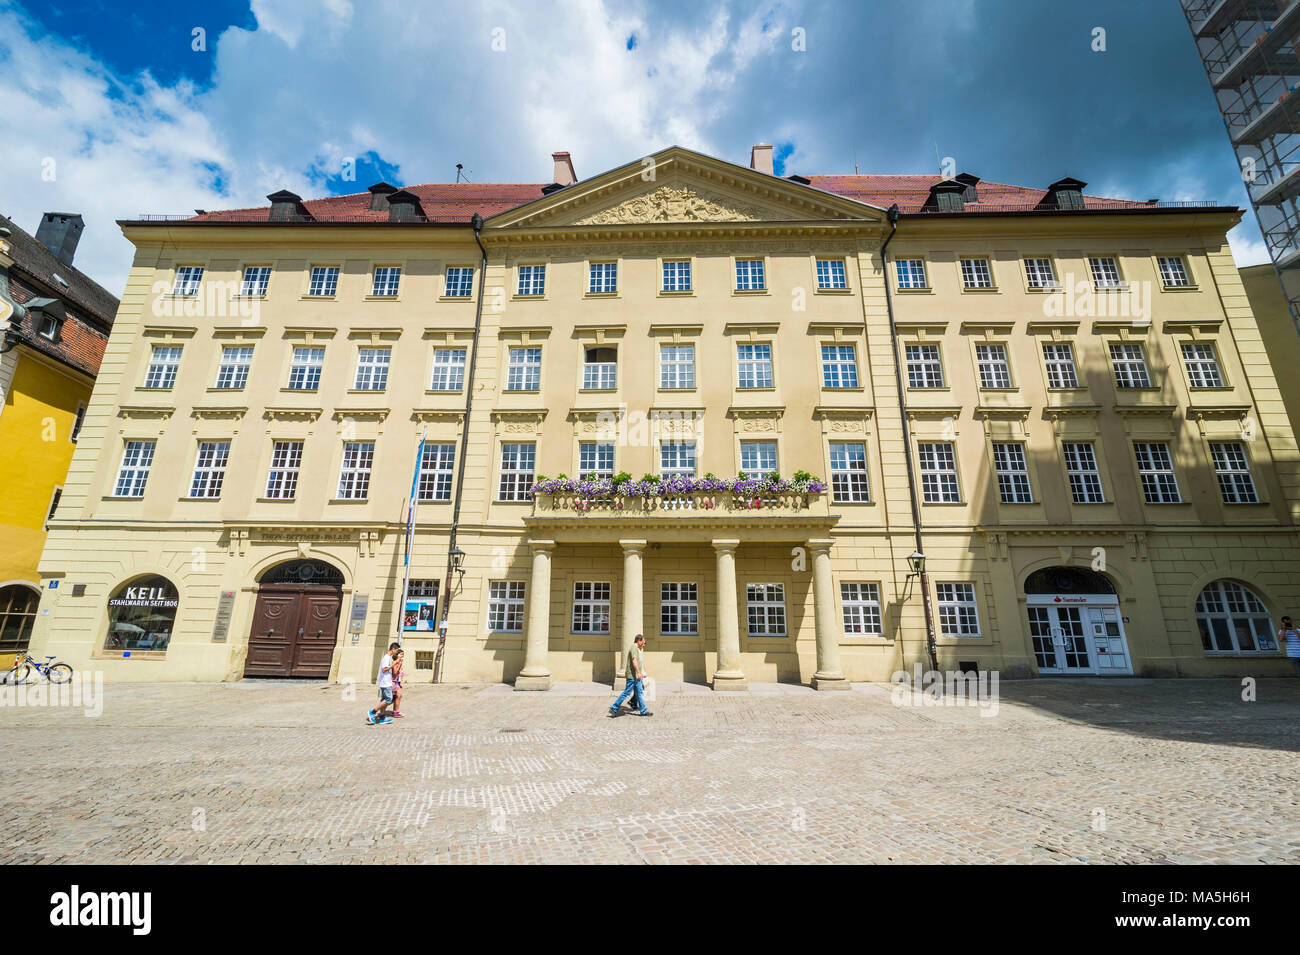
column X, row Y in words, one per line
column 111, row 112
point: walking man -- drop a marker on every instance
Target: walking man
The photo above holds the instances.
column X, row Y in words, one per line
column 635, row 675
column 1289, row 638
column 377, row 715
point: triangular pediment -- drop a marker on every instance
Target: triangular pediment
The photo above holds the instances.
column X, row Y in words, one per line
column 677, row 186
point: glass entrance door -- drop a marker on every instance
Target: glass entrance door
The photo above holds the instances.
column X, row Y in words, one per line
column 1078, row 638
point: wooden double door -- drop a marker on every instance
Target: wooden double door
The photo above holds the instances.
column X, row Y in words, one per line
column 294, row 631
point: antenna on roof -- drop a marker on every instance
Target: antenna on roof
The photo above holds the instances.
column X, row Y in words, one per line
column 855, row 161
column 459, row 174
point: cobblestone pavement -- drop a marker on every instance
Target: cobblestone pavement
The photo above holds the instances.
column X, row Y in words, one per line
column 1065, row 772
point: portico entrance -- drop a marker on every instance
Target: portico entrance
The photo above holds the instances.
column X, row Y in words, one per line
column 296, row 621
column 1074, row 623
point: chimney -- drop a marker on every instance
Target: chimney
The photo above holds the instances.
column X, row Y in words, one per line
column 404, row 206
column 760, row 159
column 59, row 232
column 286, row 206
column 564, row 174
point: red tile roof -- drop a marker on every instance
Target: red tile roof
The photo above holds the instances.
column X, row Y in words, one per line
column 80, row 344
column 456, row 203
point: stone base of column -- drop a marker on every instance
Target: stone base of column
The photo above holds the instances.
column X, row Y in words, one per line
column 729, row 682
column 532, row 682
column 837, row 681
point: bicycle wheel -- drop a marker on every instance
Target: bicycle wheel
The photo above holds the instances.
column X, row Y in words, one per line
column 16, row 675
column 59, row 673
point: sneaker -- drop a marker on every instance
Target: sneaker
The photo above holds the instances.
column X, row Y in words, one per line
column 647, row 713
column 386, row 719
column 396, row 714
column 370, row 717
column 612, row 712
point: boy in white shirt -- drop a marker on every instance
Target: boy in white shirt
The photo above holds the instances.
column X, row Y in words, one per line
column 386, row 665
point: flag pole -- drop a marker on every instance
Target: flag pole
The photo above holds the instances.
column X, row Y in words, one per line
column 411, row 507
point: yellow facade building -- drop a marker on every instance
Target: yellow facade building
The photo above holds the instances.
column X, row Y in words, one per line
column 56, row 322
column 1059, row 402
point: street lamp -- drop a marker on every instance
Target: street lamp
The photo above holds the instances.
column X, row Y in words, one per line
column 916, row 561
column 457, row 560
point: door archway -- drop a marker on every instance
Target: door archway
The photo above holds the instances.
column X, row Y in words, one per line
column 295, row 621
column 1075, row 626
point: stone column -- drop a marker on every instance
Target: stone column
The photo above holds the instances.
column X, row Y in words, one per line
column 535, row 675
column 728, row 676
column 633, row 610
column 829, row 676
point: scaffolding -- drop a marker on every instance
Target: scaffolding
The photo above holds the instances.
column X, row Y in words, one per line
column 1251, row 53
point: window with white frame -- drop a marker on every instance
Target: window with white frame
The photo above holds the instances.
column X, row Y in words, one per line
column 459, row 282
column 305, row 368
column 210, row 468
column 1129, row 362
column 839, row 366
column 1156, row 469
column 595, row 459
column 282, row 478
column 506, row 606
column 532, row 280
column 754, row 366
column 324, row 281
column 958, row 614
column 849, row 472
column 255, row 280
column 1058, row 359
column 387, row 278
column 232, row 371
column 372, row 369
column 164, row 362
column 1013, row 472
column 749, row 275
column 602, row 278
column 831, row 274
column 1173, row 271
column 1233, row 471
column 599, row 368
column 758, row 457
column 910, row 273
column 354, row 470
column 938, row 472
column 994, row 368
column 976, row 273
column 679, row 608
column 187, row 280
column 765, row 604
column 676, row 275
column 448, row 369
column 524, row 370
column 1232, row 619
column 677, row 459
column 590, row 606
column 1202, row 365
column 924, row 367
column 1105, row 272
column 1081, row 468
column 518, row 471
column 1039, row 273
column 437, row 462
column 676, row 366
column 860, row 603
column 133, row 473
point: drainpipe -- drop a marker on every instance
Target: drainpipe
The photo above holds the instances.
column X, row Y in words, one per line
column 930, row 644
column 477, row 224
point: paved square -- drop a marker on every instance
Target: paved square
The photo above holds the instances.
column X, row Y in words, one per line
column 1067, row 771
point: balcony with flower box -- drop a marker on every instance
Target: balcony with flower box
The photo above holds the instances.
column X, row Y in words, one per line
column 767, row 508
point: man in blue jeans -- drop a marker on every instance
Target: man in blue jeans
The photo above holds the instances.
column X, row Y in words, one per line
column 635, row 674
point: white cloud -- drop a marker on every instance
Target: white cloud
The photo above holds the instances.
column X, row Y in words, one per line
column 1247, row 244
column 423, row 88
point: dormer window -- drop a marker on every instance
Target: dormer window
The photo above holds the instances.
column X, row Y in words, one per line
column 969, row 182
column 49, row 327
column 1065, row 194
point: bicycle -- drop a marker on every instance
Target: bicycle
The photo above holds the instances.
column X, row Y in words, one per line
column 25, row 663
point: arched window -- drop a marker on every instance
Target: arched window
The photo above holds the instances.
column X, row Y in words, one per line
column 1232, row 619
column 17, row 617
column 141, row 615
column 1068, row 580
